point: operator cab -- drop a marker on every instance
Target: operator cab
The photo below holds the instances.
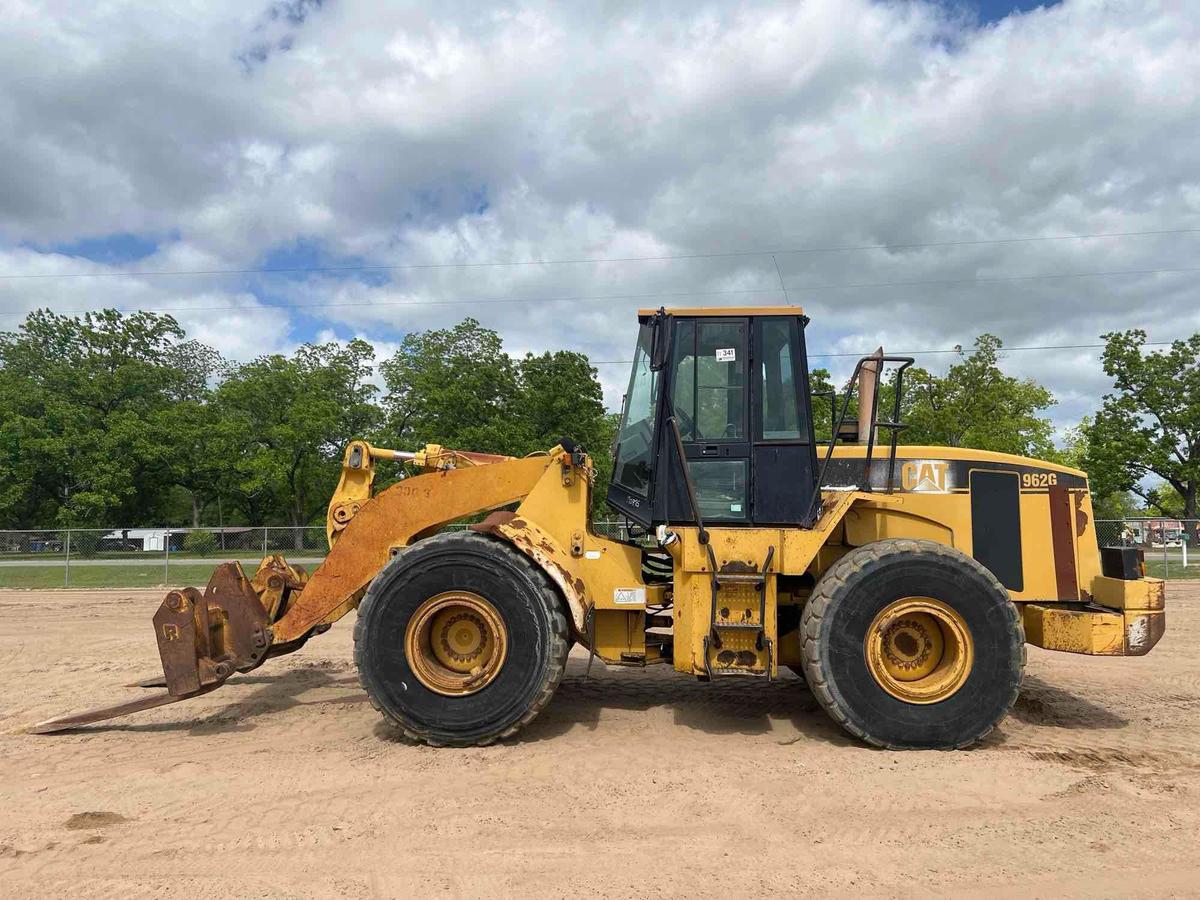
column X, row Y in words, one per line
column 734, row 382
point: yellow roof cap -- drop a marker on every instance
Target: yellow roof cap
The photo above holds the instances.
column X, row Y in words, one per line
column 726, row 311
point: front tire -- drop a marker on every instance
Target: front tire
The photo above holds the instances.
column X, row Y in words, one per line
column 912, row 645
column 460, row 640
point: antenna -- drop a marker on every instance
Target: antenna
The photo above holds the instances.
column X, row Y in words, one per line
column 786, row 301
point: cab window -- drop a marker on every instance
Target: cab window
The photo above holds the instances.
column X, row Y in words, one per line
column 635, row 440
column 780, row 401
column 710, row 378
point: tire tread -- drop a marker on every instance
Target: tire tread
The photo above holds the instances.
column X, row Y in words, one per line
column 859, row 562
column 560, row 643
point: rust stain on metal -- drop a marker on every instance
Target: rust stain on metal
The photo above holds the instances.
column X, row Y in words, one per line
column 1156, row 594
column 394, row 518
column 1062, row 544
column 489, row 525
column 536, row 544
column 1081, row 517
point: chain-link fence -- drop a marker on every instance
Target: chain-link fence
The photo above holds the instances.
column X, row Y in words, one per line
column 133, row 557
column 1171, row 546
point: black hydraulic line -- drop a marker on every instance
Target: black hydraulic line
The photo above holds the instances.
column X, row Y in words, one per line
column 687, row 480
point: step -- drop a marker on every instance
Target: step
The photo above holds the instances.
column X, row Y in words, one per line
column 749, row 673
column 738, row 626
column 740, row 578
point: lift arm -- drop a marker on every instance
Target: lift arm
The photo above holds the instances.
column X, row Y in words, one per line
column 239, row 622
column 404, row 512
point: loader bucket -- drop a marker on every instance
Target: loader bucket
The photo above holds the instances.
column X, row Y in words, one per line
column 204, row 638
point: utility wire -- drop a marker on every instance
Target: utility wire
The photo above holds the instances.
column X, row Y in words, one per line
column 809, row 288
column 998, row 278
column 446, row 302
column 585, row 260
column 625, row 362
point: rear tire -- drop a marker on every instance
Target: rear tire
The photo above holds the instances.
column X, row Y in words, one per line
column 517, row 597
column 850, row 608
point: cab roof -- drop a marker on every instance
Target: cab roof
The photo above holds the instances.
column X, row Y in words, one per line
column 725, row 311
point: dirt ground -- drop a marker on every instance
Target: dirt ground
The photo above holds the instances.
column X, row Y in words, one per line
column 633, row 784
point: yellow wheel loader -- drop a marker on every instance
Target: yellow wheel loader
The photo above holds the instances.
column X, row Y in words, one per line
column 902, row 582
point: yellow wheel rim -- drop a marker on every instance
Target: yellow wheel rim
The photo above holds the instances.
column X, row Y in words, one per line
column 919, row 650
column 456, row 643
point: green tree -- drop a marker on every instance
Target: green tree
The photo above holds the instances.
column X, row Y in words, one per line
column 1164, row 500
column 1115, row 504
column 287, row 421
column 78, row 399
column 1073, row 451
column 560, row 396
column 455, row 387
column 200, row 442
column 976, row 405
column 1150, row 425
column 820, row 384
column 973, row 405
column 1122, row 505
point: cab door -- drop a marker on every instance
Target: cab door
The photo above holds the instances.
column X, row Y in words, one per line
column 709, row 399
column 784, row 456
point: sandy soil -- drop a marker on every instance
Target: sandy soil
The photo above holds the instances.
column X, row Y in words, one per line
column 634, row 784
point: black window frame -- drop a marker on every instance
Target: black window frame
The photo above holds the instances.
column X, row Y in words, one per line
column 794, row 459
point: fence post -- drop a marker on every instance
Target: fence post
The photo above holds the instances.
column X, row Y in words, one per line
column 1164, row 540
column 67, row 572
column 264, row 540
column 166, row 555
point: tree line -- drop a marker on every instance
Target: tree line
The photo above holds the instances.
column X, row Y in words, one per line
column 117, row 418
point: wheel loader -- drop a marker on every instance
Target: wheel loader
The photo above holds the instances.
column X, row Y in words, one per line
column 901, row 582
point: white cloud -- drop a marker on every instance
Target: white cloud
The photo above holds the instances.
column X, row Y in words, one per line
column 410, row 133
column 234, row 322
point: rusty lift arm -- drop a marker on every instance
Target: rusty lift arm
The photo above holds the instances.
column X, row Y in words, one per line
column 239, row 621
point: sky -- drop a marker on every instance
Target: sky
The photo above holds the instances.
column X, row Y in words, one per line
column 549, row 168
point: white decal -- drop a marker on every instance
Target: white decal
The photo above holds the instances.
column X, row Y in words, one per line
column 926, row 476
column 629, row 596
column 726, row 354
column 592, row 554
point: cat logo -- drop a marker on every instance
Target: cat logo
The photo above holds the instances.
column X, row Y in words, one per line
column 925, row 476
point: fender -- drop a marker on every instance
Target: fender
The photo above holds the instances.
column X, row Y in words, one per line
column 868, row 522
column 541, row 547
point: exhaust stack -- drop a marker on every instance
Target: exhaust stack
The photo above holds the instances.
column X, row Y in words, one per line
column 868, row 376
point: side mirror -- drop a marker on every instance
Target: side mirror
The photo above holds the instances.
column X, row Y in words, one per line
column 660, row 344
